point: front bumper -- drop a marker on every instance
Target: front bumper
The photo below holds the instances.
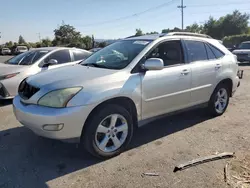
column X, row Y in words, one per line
column 35, row 117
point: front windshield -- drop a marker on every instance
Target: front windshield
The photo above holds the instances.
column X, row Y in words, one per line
column 27, row 58
column 244, row 46
column 117, row 55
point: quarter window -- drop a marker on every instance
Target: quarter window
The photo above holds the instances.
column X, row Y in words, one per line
column 210, row 54
column 216, row 52
column 61, row 56
column 196, row 50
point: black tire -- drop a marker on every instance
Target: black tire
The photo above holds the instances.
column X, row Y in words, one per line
column 89, row 131
column 211, row 105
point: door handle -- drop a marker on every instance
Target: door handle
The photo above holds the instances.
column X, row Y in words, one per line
column 185, row 72
column 217, row 66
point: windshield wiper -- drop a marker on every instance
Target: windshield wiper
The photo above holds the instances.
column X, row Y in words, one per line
column 95, row 65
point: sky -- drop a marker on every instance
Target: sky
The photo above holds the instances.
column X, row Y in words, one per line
column 105, row 19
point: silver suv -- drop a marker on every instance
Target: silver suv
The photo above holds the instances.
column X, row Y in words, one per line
column 101, row 101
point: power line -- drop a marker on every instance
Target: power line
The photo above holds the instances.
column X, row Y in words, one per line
column 182, row 14
column 129, row 16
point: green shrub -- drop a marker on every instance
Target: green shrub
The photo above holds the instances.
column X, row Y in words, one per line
column 230, row 41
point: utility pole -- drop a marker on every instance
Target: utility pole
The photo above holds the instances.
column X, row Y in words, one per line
column 39, row 36
column 182, row 14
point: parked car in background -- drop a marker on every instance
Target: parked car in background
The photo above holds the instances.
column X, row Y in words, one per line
column 20, row 49
column 101, row 101
column 243, row 52
column 5, row 51
column 14, row 70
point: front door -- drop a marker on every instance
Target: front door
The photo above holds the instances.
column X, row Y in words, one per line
column 63, row 58
column 168, row 89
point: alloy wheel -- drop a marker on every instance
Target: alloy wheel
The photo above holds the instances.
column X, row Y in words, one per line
column 111, row 133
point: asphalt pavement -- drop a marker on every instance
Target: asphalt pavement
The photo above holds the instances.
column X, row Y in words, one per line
column 4, row 58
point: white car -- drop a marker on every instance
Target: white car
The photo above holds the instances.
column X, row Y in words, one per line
column 100, row 103
column 14, row 70
column 20, row 49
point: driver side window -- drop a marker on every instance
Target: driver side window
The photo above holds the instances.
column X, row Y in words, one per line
column 170, row 52
column 62, row 56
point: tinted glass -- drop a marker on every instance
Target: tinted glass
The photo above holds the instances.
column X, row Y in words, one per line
column 210, row 54
column 27, row 58
column 216, row 52
column 61, row 56
column 170, row 52
column 117, row 55
column 196, row 50
column 244, row 46
column 80, row 55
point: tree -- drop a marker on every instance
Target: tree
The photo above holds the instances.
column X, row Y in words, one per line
column 195, row 28
column 65, row 35
column 21, row 40
column 9, row 44
column 231, row 24
column 138, row 32
column 102, row 44
column 93, row 41
column 176, row 29
column 87, row 40
column 46, row 42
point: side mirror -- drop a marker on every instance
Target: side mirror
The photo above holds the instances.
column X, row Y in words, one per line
column 50, row 62
column 153, row 64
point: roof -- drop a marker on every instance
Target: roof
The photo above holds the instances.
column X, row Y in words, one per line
column 144, row 37
column 156, row 36
column 55, row 48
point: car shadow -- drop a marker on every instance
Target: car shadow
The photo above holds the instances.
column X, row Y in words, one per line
column 5, row 102
column 31, row 161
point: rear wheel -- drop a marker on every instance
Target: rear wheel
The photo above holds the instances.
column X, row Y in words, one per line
column 108, row 132
column 219, row 100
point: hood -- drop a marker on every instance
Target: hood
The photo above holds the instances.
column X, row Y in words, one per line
column 70, row 76
column 243, row 51
column 6, row 69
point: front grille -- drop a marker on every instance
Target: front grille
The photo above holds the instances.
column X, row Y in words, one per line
column 26, row 91
column 3, row 91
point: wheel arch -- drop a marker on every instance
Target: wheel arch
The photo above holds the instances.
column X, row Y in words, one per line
column 227, row 81
column 125, row 102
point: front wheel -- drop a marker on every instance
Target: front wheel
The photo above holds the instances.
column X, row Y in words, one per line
column 108, row 132
column 219, row 100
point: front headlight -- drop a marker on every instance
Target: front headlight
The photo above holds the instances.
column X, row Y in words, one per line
column 8, row 76
column 58, row 98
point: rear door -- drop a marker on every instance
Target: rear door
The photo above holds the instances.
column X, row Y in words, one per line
column 204, row 68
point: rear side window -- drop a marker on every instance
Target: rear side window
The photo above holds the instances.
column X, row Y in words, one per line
column 196, row 50
column 210, row 53
column 80, row 55
column 216, row 52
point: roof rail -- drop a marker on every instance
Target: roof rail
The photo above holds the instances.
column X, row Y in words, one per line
column 188, row 34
